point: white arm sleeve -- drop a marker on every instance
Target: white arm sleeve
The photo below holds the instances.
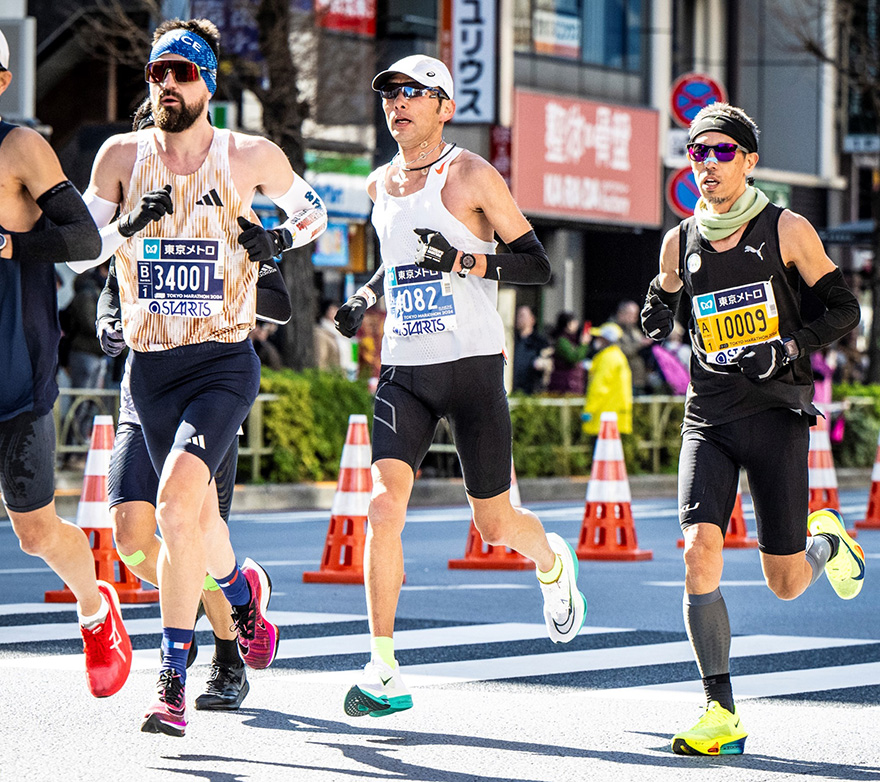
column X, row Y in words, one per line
column 306, row 213
column 102, row 212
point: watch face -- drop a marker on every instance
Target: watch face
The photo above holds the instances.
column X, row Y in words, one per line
column 468, row 261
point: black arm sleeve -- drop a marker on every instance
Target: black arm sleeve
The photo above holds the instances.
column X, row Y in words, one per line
column 376, row 283
column 273, row 299
column 71, row 234
column 841, row 314
column 527, row 263
column 671, row 300
column 108, row 301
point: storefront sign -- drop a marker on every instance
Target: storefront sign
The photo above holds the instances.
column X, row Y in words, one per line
column 347, row 16
column 472, row 41
column 585, row 160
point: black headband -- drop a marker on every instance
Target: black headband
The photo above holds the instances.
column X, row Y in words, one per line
column 729, row 126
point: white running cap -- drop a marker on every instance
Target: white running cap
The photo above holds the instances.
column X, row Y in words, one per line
column 4, row 52
column 427, row 71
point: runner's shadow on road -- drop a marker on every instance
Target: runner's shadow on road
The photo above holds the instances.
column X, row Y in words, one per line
column 777, row 765
column 375, row 758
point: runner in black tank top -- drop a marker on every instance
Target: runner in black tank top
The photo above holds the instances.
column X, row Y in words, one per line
column 743, row 262
column 44, row 222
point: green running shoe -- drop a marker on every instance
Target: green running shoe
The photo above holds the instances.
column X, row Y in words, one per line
column 717, row 732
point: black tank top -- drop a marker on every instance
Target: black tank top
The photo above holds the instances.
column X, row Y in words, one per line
column 753, row 270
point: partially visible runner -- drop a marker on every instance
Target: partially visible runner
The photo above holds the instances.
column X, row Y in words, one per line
column 744, row 262
column 443, row 356
column 44, row 221
column 188, row 250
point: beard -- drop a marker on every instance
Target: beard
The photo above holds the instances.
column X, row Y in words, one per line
column 176, row 119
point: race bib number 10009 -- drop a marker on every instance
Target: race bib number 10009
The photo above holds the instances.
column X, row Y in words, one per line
column 182, row 277
column 420, row 301
column 729, row 320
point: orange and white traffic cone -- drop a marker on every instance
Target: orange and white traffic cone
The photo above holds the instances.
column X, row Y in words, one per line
column 343, row 559
column 481, row 556
column 872, row 517
column 608, row 530
column 93, row 516
column 823, row 478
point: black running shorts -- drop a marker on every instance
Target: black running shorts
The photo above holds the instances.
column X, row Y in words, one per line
column 772, row 446
column 194, row 398
column 27, row 462
column 469, row 393
column 133, row 479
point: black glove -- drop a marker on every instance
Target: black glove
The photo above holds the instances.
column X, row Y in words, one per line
column 110, row 335
column 152, row 206
column 434, row 251
column 761, row 362
column 350, row 316
column 262, row 245
column 657, row 318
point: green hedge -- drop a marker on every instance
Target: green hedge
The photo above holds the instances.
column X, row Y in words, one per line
column 306, row 426
column 859, row 445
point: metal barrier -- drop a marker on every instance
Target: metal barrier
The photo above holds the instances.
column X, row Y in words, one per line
column 74, row 425
column 76, row 408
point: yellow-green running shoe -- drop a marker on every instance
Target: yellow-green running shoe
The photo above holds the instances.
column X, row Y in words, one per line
column 846, row 569
column 717, row 732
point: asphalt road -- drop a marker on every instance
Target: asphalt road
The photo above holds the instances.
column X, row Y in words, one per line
column 494, row 698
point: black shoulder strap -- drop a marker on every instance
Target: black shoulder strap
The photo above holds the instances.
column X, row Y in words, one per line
column 5, row 127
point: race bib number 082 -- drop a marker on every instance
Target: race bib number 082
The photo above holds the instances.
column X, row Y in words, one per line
column 729, row 320
column 420, row 301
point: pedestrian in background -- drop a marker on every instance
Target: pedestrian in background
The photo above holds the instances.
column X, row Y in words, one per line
column 571, row 346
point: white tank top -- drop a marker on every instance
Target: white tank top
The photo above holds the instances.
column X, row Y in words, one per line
column 432, row 317
column 185, row 279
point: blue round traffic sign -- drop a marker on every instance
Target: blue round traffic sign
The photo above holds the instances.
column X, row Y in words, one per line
column 692, row 92
column 682, row 192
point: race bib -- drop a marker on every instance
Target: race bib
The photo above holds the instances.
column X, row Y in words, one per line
column 420, row 301
column 182, row 277
column 729, row 320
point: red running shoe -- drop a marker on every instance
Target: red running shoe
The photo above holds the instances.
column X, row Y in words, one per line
column 167, row 714
column 257, row 636
column 107, row 648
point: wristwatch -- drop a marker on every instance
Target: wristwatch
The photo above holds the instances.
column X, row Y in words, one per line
column 467, row 263
column 791, row 349
column 4, row 240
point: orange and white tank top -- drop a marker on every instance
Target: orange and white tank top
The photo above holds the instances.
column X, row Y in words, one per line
column 184, row 279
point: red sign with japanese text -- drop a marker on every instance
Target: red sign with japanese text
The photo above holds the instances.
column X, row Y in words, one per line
column 347, row 16
column 585, row 160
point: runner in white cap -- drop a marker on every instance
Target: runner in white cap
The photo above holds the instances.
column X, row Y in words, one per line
column 437, row 210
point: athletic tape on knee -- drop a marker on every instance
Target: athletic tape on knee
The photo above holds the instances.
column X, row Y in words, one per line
column 210, row 584
column 132, row 559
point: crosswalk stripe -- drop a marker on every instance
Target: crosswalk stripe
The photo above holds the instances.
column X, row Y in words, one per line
column 561, row 662
column 760, row 685
column 70, row 630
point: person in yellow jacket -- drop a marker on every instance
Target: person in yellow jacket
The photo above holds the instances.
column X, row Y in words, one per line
column 610, row 386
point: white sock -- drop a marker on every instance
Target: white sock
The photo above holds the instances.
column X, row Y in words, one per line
column 95, row 619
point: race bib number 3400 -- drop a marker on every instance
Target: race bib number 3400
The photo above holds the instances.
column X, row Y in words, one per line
column 729, row 320
column 181, row 277
column 420, row 301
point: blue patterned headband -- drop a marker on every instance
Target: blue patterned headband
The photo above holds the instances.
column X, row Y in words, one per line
column 192, row 46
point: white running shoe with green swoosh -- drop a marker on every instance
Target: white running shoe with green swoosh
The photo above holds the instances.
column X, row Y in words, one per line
column 380, row 692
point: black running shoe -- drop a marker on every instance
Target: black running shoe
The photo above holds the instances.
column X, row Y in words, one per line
column 227, row 686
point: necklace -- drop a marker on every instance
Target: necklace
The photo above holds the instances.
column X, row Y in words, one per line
column 422, row 156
